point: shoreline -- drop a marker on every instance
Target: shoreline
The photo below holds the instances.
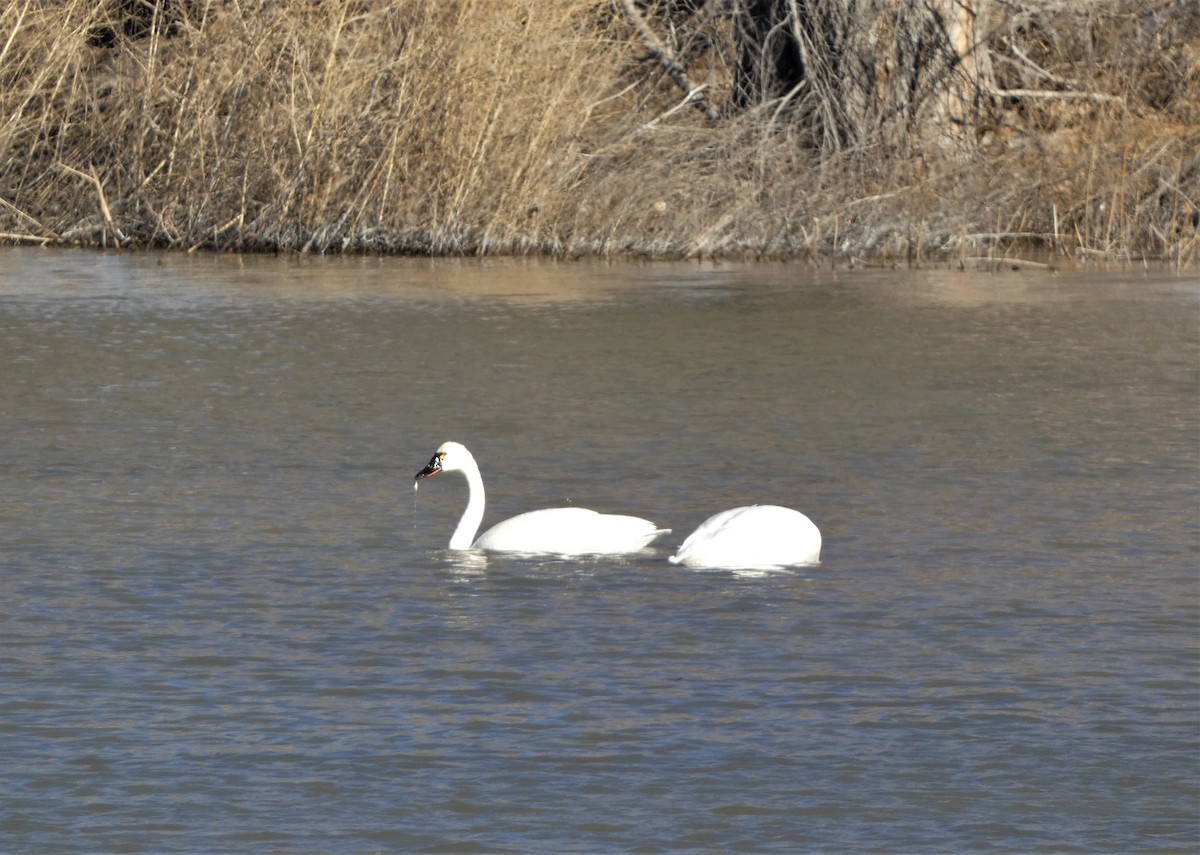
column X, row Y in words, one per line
column 502, row 129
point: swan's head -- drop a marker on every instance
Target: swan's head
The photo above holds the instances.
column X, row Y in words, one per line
column 450, row 457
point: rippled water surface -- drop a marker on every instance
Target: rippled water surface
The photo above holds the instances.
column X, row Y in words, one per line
column 228, row 623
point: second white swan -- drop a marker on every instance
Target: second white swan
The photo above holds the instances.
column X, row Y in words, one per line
column 755, row 537
column 554, row 531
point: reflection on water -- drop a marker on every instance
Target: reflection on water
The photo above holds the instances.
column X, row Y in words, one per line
column 226, row 623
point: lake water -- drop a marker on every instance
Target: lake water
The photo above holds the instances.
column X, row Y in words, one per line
column 228, row 623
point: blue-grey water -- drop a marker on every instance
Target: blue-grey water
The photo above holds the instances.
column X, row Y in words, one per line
column 228, row 623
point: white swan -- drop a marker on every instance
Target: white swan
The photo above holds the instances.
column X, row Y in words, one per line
column 755, row 537
column 557, row 531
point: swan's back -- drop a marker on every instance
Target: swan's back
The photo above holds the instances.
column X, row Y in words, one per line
column 752, row 537
column 570, row 531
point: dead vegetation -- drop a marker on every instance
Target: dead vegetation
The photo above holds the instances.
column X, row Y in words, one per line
column 523, row 127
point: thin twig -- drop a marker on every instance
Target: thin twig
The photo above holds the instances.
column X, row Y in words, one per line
column 18, row 238
column 1005, row 262
column 1037, row 69
column 53, row 235
column 689, row 99
column 104, row 209
column 1064, row 95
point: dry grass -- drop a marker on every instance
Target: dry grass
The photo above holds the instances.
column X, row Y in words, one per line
column 518, row 126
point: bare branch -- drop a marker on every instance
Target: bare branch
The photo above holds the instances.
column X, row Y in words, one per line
column 1047, row 94
column 668, row 60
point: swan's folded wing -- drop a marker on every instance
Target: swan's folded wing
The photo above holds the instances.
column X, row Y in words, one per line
column 570, row 531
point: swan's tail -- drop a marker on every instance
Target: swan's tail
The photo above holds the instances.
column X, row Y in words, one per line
column 652, row 536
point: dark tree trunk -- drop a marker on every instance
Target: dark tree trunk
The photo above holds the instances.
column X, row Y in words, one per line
column 769, row 64
column 857, row 71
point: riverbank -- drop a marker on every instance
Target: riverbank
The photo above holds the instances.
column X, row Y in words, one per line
column 511, row 128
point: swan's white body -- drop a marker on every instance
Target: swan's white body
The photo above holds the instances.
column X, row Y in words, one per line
column 555, row 531
column 755, row 537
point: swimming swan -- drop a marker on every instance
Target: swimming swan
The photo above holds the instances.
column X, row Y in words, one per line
column 755, row 537
column 557, row 531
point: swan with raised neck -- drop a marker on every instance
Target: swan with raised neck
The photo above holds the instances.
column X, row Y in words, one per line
column 558, row 531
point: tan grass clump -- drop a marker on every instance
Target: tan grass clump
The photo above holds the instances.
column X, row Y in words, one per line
column 430, row 127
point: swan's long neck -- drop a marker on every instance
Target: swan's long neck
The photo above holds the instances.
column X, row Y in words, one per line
column 468, row 525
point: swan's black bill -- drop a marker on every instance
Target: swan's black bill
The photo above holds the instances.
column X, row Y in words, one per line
column 434, row 467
